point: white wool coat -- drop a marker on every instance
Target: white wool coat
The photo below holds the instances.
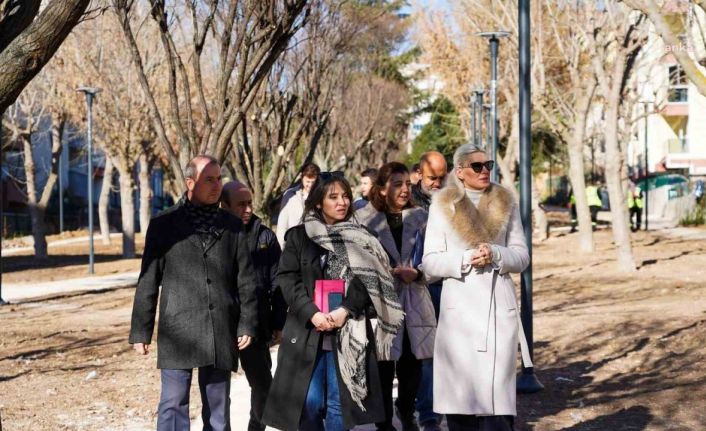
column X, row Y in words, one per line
column 475, row 354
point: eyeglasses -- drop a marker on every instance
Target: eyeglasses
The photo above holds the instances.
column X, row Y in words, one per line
column 331, row 174
column 478, row 166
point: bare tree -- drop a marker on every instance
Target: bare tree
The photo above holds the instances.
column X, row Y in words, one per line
column 675, row 31
column 566, row 93
column 27, row 44
column 246, row 38
column 321, row 101
column 23, row 121
column 616, row 35
column 103, row 200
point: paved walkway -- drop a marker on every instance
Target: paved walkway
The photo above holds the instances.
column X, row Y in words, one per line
column 19, row 292
column 17, row 250
column 240, row 404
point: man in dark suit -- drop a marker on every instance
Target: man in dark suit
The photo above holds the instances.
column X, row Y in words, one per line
column 198, row 254
column 272, row 310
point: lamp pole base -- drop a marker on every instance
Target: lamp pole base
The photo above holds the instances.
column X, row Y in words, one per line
column 527, row 382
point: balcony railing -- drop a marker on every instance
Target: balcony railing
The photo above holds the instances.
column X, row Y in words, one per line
column 677, row 146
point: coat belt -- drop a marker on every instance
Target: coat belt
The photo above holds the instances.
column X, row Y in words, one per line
column 524, row 348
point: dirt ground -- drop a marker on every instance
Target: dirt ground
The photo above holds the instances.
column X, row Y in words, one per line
column 614, row 351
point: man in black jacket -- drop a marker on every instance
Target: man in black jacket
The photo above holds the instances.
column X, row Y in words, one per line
column 199, row 256
column 272, row 309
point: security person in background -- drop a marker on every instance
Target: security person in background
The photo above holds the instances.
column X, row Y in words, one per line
column 594, row 203
column 635, row 205
column 271, row 308
column 199, row 256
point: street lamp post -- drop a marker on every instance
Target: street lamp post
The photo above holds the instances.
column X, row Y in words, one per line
column 478, row 122
column 474, row 126
column 527, row 381
column 494, row 41
column 90, row 93
column 488, row 129
column 646, row 105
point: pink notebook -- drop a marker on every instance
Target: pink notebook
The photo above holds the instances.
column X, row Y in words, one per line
column 328, row 294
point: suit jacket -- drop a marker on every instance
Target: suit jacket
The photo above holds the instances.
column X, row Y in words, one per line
column 207, row 291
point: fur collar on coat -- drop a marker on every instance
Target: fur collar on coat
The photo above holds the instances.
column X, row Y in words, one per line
column 475, row 225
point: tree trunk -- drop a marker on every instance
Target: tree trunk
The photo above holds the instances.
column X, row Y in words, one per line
column 540, row 217
column 35, row 211
column 507, row 163
column 25, row 56
column 577, row 170
column 104, row 199
column 127, row 206
column 618, row 204
column 145, row 193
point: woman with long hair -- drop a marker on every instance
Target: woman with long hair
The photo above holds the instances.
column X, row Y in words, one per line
column 327, row 375
column 397, row 224
column 474, row 241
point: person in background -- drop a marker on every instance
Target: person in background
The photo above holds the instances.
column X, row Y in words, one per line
column 367, row 178
column 414, row 174
column 198, row 254
column 397, row 224
column 433, row 170
column 327, row 374
column 594, row 202
column 271, row 308
column 474, row 241
column 293, row 208
column 635, row 206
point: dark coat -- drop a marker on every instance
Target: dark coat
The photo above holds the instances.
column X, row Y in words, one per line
column 265, row 253
column 207, row 295
column 419, row 198
column 299, row 267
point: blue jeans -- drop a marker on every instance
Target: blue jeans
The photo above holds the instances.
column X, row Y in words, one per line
column 322, row 407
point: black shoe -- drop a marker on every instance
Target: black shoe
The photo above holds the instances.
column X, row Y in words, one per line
column 408, row 422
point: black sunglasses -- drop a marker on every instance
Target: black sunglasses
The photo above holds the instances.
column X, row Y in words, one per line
column 331, row 174
column 478, row 166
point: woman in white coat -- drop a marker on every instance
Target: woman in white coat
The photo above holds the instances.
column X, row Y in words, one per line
column 396, row 222
column 474, row 241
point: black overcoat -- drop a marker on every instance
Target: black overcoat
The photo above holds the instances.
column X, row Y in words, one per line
column 207, row 291
column 299, row 268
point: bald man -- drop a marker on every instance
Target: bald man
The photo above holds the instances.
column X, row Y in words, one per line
column 198, row 254
column 272, row 309
column 432, row 171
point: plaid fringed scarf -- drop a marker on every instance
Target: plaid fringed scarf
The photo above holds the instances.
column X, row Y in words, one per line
column 354, row 252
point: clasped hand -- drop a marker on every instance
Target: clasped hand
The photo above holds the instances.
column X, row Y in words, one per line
column 483, row 256
column 405, row 273
column 324, row 322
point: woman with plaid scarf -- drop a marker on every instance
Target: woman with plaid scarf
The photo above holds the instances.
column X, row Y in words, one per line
column 327, row 376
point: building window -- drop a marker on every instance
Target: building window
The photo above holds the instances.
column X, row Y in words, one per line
column 678, row 85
